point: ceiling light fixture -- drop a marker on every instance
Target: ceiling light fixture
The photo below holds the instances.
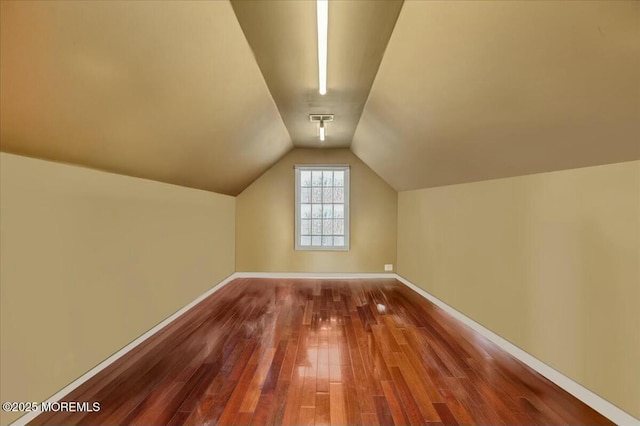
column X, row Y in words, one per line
column 321, row 119
column 323, row 23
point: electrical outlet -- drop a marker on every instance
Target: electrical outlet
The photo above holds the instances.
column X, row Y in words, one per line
column 388, row 267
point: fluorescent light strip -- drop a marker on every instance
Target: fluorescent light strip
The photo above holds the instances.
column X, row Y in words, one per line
column 322, row 130
column 323, row 22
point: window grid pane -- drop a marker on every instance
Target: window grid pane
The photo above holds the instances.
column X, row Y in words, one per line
column 305, row 178
column 316, row 178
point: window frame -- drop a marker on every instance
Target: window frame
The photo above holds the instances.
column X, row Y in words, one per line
column 347, row 183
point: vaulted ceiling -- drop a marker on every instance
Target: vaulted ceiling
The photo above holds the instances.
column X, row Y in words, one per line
column 210, row 94
column 283, row 37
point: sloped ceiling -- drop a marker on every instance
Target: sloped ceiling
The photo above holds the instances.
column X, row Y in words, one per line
column 283, row 37
column 470, row 91
column 162, row 90
column 210, row 94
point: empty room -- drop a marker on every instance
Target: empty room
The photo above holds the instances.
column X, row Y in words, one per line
column 319, row 212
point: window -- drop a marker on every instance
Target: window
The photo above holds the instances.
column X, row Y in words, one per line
column 322, row 207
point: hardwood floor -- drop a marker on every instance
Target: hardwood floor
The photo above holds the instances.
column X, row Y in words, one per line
column 276, row 351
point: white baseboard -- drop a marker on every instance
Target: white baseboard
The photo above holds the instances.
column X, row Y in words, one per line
column 104, row 364
column 596, row 402
column 599, row 404
column 315, row 275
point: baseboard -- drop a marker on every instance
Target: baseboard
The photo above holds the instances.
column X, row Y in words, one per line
column 599, row 404
column 104, row 364
column 316, row 275
column 596, row 402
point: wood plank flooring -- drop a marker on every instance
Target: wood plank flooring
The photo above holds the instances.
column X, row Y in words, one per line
column 303, row 352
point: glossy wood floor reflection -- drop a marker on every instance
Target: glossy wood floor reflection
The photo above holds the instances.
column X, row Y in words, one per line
column 266, row 351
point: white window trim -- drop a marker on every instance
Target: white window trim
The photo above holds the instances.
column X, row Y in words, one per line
column 347, row 183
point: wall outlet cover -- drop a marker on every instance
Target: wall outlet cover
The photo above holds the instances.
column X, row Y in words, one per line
column 388, row 267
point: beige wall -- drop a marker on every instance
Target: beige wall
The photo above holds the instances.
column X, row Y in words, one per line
column 548, row 261
column 265, row 220
column 90, row 261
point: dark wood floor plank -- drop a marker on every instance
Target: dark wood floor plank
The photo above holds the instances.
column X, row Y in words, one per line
column 232, row 408
column 252, row 394
column 300, row 351
column 411, row 408
column 383, row 411
column 417, row 388
column 293, row 398
column 460, row 413
column 419, row 367
column 445, row 414
column 397, row 413
column 352, row 398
